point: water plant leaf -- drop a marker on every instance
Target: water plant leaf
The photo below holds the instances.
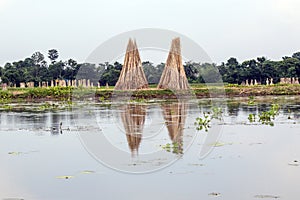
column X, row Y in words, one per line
column 251, row 101
column 196, row 164
column 87, row 172
column 216, row 113
column 64, row 177
column 266, row 197
column 175, row 147
column 15, row 153
column 295, row 163
column 251, row 118
column 203, row 123
column 266, row 117
column 218, row 144
column 216, row 194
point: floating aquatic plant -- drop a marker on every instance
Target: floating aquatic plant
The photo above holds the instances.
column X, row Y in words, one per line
column 251, row 101
column 266, row 196
column 216, row 113
column 175, row 147
column 251, row 118
column 77, row 174
column 64, row 177
column 203, row 122
column 266, row 117
column 216, row 194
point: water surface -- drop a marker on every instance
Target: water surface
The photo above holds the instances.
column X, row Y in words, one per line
column 92, row 150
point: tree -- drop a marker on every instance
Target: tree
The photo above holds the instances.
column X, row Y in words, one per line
column 71, row 69
column 296, row 55
column 152, row 73
column 111, row 74
column 11, row 75
column 261, row 59
column 36, row 69
column 231, row 71
column 260, row 64
column 56, row 70
column 208, row 73
column 191, row 72
column 88, row 71
column 37, row 58
column 53, row 55
column 289, row 67
column 269, row 70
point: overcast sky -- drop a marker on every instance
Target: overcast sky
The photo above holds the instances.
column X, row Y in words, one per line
column 224, row 28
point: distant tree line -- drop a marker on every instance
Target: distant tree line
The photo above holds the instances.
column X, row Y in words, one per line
column 260, row 69
column 36, row 69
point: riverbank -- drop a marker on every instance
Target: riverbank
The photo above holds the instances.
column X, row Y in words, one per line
column 106, row 94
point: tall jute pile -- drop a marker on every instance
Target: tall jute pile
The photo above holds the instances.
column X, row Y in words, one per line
column 132, row 76
column 173, row 76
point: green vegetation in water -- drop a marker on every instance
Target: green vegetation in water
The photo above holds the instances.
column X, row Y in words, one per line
column 101, row 99
column 59, row 105
column 5, row 97
column 266, row 117
column 47, row 106
column 6, row 107
column 217, row 113
column 251, row 118
column 175, row 148
column 251, row 101
column 137, row 100
column 232, row 85
column 85, row 172
column 68, row 93
column 54, row 92
column 203, row 123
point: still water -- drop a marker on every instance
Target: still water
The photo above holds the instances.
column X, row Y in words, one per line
column 150, row 151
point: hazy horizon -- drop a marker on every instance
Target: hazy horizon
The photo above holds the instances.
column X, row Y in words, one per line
column 229, row 28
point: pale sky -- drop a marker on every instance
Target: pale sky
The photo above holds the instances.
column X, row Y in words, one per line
column 223, row 28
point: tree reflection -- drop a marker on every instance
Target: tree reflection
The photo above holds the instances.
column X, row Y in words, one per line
column 55, row 124
column 233, row 108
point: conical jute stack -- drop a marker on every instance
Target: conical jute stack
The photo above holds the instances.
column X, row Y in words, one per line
column 132, row 76
column 173, row 76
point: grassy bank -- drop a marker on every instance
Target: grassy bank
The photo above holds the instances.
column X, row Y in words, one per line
column 103, row 94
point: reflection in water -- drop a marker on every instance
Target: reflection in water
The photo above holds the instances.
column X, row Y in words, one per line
column 175, row 116
column 253, row 153
column 56, row 124
column 233, row 108
column 133, row 118
column 292, row 111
